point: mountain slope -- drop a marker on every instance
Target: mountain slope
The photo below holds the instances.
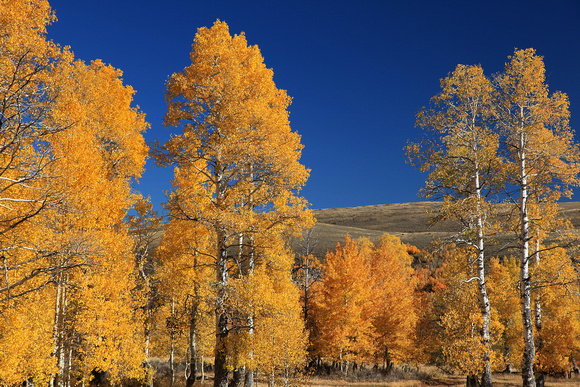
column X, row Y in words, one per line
column 409, row 221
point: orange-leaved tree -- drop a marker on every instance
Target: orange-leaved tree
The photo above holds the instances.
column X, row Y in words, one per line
column 343, row 308
column 460, row 152
column 97, row 323
column 28, row 62
column 395, row 303
column 70, row 146
column 185, row 276
column 544, row 162
column 457, row 317
column 238, row 150
column 556, row 282
column 503, row 284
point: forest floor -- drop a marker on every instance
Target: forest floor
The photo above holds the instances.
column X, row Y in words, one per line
column 435, row 379
column 499, row 380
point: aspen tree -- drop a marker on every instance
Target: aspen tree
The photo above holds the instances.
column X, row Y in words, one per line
column 395, row 316
column 238, row 147
column 543, row 157
column 27, row 92
column 306, row 272
column 460, row 152
column 145, row 228
column 457, row 318
column 186, row 275
column 70, row 145
column 558, row 333
column 95, row 161
column 503, row 287
column 343, row 309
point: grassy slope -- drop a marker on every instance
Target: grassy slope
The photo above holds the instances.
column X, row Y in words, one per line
column 409, row 221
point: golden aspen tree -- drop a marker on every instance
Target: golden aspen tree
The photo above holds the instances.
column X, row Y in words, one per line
column 559, row 332
column 458, row 317
column 145, row 227
column 460, row 152
column 238, row 147
column 185, row 278
column 395, row 301
column 545, row 222
column 343, row 308
column 97, row 324
column 306, row 272
column 27, row 91
column 277, row 344
column 503, row 283
column 70, row 145
column 543, row 156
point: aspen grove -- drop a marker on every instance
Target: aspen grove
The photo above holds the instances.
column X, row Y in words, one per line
column 98, row 288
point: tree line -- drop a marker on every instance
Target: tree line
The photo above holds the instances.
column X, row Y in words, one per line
column 84, row 294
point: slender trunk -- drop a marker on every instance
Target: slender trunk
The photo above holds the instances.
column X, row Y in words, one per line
column 271, row 379
column 147, row 322
column 60, row 336
column 249, row 378
column 172, row 349
column 63, row 369
column 69, row 365
column 222, row 278
column 486, row 378
column 249, row 382
column 147, row 344
column 56, row 330
column 508, row 363
column 192, row 361
column 538, row 321
column 221, row 372
column 528, row 379
column 306, row 280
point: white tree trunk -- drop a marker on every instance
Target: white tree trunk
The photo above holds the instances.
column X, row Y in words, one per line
column 486, row 380
column 528, row 378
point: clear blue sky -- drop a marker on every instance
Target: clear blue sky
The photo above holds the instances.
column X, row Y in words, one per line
column 358, row 71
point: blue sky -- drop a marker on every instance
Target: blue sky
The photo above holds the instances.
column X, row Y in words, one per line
column 358, row 71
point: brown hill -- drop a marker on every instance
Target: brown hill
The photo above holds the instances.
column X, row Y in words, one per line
column 409, row 221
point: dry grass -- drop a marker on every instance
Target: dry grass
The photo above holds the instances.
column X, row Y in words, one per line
column 408, row 221
column 500, row 380
column 438, row 380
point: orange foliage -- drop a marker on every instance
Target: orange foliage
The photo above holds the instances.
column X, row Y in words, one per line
column 343, row 308
column 69, row 151
column 365, row 305
column 237, row 174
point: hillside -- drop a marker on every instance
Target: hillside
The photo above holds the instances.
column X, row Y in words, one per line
column 408, row 221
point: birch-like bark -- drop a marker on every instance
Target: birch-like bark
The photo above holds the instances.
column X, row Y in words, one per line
column 486, row 380
column 528, row 379
column 222, row 275
column 222, row 278
column 192, row 343
column 538, row 320
column 56, row 329
column 172, row 348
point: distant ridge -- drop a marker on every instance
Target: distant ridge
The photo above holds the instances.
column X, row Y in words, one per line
column 409, row 221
